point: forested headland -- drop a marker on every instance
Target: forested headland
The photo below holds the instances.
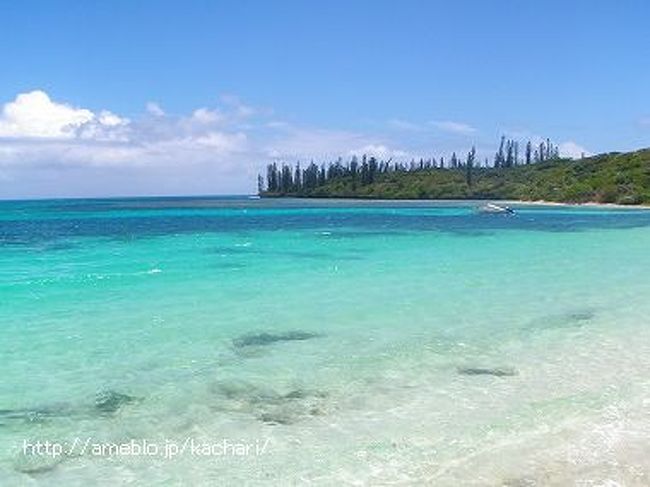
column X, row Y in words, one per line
column 528, row 172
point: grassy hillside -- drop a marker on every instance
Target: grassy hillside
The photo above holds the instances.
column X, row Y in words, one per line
column 622, row 178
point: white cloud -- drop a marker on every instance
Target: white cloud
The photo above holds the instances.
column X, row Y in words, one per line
column 380, row 151
column 236, row 105
column 110, row 119
column 454, row 127
column 298, row 143
column 39, row 131
column 572, row 150
column 49, row 147
column 34, row 114
column 204, row 115
column 568, row 149
column 209, row 149
column 155, row 109
column 289, row 142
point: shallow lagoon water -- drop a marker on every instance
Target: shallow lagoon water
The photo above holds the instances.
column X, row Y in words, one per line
column 368, row 342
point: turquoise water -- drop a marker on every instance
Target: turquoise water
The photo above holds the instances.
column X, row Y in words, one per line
column 367, row 343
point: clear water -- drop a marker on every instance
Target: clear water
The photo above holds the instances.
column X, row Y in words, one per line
column 344, row 333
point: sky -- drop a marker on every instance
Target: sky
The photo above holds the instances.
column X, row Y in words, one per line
column 196, row 97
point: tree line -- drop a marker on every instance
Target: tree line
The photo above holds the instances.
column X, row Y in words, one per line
column 287, row 179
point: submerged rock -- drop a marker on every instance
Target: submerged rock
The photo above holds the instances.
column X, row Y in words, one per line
column 278, row 417
column 296, row 394
column 35, row 414
column 520, row 482
column 267, row 405
column 110, row 401
column 33, row 464
column 292, row 408
column 263, row 339
column 496, row 371
column 106, row 402
column 580, row 315
column 571, row 319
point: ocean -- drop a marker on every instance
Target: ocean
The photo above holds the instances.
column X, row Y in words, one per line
column 241, row 341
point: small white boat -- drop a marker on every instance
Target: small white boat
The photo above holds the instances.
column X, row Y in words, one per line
column 493, row 208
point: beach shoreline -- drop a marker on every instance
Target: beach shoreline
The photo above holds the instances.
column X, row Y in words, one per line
column 588, row 204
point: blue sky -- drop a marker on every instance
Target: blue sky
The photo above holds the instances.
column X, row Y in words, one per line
column 161, row 97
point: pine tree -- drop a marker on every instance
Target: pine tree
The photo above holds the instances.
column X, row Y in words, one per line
column 516, row 150
column 260, row 184
column 469, row 165
column 297, row 179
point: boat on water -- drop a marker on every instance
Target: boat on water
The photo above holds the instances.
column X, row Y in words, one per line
column 494, row 208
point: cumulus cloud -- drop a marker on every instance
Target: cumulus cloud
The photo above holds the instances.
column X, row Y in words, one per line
column 39, row 131
column 573, row 150
column 40, row 135
column 34, row 114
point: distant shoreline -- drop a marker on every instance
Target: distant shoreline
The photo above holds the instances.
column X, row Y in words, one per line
column 615, row 180
column 589, row 204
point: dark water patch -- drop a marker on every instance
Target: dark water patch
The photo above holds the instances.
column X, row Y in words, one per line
column 35, row 415
column 520, row 482
column 265, row 339
column 60, row 246
column 293, row 407
column 571, row 319
column 38, row 245
column 253, row 394
column 244, row 392
column 268, row 405
column 471, row 233
column 494, row 371
column 298, row 394
column 371, row 220
column 579, row 316
column 109, row 401
column 106, row 402
column 126, row 229
column 283, row 417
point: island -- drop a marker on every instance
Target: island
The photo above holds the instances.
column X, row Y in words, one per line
column 536, row 173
